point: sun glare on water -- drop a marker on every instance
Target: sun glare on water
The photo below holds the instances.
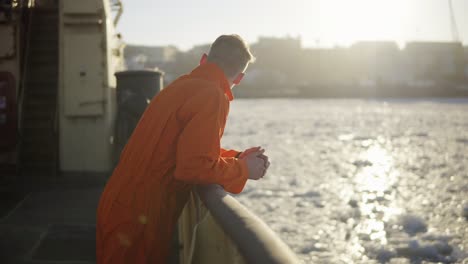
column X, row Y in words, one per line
column 374, row 182
column 377, row 176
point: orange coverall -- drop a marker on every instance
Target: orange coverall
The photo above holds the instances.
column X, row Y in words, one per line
column 175, row 145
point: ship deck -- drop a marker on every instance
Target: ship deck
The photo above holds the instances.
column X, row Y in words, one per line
column 51, row 222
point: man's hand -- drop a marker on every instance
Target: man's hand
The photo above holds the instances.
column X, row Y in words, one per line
column 257, row 162
column 266, row 162
column 255, row 165
column 248, row 151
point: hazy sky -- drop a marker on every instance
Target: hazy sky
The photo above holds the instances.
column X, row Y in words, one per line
column 185, row 23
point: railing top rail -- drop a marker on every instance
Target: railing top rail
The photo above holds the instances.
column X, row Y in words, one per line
column 255, row 240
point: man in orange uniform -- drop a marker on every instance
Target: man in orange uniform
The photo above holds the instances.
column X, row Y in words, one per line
column 175, row 145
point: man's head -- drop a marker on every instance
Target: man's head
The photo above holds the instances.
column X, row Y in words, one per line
column 232, row 55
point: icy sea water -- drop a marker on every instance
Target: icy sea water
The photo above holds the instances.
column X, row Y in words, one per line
column 360, row 181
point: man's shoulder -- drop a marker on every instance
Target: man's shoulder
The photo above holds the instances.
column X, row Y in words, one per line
column 197, row 86
column 201, row 94
column 199, row 82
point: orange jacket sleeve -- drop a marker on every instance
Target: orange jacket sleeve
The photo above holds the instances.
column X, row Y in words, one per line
column 229, row 153
column 199, row 158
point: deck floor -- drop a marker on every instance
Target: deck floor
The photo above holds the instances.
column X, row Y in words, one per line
column 51, row 223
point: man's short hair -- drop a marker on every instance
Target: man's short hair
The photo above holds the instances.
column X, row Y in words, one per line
column 231, row 53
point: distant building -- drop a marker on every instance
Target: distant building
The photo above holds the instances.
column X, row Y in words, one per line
column 367, row 68
column 465, row 49
column 288, row 43
column 326, row 66
column 198, row 50
column 273, row 51
column 278, row 67
column 436, row 60
column 378, row 62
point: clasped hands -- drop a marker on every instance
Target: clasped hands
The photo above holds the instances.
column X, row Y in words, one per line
column 257, row 162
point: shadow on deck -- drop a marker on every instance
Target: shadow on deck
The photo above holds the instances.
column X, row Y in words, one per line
column 51, row 222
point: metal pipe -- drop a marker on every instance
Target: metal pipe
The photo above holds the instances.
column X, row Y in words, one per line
column 24, row 66
column 119, row 7
column 255, row 240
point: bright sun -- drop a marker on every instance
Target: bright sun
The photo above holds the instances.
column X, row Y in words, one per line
column 364, row 20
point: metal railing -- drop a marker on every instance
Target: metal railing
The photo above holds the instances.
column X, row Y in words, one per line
column 233, row 234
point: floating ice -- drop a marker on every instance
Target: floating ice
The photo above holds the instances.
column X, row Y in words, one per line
column 362, row 163
column 465, row 211
column 308, row 194
column 382, row 254
column 365, row 166
column 261, row 193
column 346, row 137
column 353, row 203
column 436, row 252
column 363, row 138
column 421, row 134
column 412, row 224
column 313, row 247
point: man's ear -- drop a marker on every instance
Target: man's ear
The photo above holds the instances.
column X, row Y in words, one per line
column 203, row 59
